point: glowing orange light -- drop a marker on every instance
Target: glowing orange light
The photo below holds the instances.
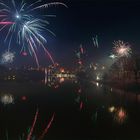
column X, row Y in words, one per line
column 62, row 70
column 62, row 80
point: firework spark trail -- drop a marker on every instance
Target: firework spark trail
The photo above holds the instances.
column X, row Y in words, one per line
column 28, row 30
column 31, row 5
column 24, row 25
column 95, row 41
column 78, row 55
column 7, row 99
column 3, row 15
column 31, row 36
column 34, row 53
column 33, row 125
column 49, row 4
column 7, row 57
column 122, row 49
column 81, row 105
column 6, row 23
column 3, row 27
column 50, row 56
column 47, row 128
column 81, row 49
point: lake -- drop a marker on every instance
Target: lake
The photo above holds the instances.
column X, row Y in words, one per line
column 69, row 110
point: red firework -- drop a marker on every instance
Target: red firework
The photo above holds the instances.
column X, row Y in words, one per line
column 6, row 23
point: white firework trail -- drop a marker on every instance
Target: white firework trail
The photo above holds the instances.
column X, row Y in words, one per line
column 122, row 49
column 24, row 26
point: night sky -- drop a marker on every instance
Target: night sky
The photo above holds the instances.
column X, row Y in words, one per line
column 109, row 19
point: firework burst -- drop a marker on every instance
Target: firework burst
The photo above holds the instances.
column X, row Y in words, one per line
column 122, row 49
column 22, row 24
column 7, row 57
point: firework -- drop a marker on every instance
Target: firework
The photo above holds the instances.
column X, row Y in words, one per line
column 81, row 49
column 7, row 57
column 24, row 53
column 33, row 125
column 7, row 99
column 95, row 41
column 47, row 127
column 23, row 25
column 48, row 5
column 122, row 49
column 30, row 34
column 81, row 105
column 78, row 54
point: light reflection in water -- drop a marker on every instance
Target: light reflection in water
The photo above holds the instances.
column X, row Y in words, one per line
column 120, row 116
column 62, row 80
column 97, row 84
column 111, row 109
column 7, row 99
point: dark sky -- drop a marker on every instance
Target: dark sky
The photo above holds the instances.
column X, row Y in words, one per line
column 109, row 19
